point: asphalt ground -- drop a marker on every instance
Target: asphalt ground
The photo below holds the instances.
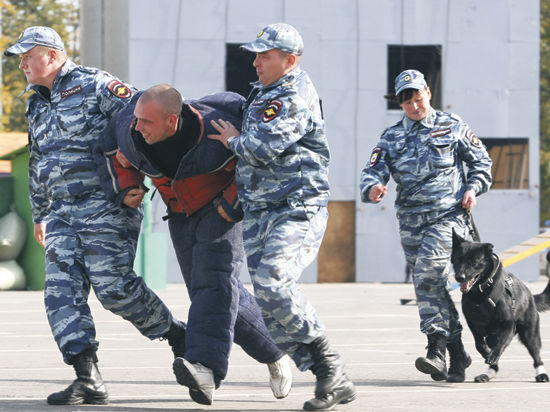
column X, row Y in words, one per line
column 366, row 322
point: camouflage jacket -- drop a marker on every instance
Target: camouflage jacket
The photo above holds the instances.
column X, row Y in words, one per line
column 283, row 153
column 427, row 160
column 64, row 126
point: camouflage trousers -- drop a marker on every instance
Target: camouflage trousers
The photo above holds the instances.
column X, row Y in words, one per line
column 92, row 242
column 279, row 244
column 427, row 245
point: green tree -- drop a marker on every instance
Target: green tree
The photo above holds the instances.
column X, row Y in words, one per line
column 16, row 15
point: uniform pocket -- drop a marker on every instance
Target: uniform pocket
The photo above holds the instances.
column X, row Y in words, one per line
column 442, row 151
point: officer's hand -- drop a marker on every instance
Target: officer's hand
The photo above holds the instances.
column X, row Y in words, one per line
column 469, row 199
column 124, row 162
column 40, row 233
column 134, row 197
column 226, row 129
column 377, row 192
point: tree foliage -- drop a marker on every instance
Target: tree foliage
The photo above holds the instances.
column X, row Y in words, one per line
column 16, row 15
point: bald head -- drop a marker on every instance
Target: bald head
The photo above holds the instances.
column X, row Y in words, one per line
column 157, row 113
column 168, row 99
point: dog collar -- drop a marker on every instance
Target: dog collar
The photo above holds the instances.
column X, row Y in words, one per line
column 489, row 282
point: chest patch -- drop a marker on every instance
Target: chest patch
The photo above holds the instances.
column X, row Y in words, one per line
column 474, row 140
column 70, row 92
column 272, row 110
column 119, row 89
column 441, row 132
column 375, row 156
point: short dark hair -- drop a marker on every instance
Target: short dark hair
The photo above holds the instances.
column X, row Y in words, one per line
column 405, row 95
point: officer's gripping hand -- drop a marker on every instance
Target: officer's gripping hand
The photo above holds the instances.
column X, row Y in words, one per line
column 377, row 192
column 40, row 233
column 134, row 197
column 226, row 130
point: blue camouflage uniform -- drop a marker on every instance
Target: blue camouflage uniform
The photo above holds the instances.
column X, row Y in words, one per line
column 282, row 181
column 209, row 249
column 434, row 162
column 90, row 241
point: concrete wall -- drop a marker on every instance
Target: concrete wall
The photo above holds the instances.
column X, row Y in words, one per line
column 489, row 70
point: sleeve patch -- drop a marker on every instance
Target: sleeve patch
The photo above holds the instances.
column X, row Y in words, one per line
column 375, row 156
column 272, row 110
column 474, row 140
column 119, row 89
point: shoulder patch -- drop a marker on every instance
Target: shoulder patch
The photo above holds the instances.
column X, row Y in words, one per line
column 375, row 156
column 474, row 140
column 119, row 89
column 272, row 110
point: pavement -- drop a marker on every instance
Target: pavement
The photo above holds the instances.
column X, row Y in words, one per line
column 366, row 322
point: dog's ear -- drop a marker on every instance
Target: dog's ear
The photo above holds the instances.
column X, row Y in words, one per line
column 456, row 238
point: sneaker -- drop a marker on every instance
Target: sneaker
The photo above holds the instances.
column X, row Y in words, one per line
column 280, row 377
column 198, row 378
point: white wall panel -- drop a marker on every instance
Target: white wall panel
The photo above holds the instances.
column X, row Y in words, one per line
column 477, row 66
column 245, row 18
column 380, row 21
column 479, row 21
column 524, row 21
column 523, row 66
column 372, row 59
column 425, row 22
column 153, row 20
column 201, row 67
column 151, row 62
column 339, row 108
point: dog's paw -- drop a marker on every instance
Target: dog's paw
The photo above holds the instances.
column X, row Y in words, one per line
column 483, row 378
column 542, row 377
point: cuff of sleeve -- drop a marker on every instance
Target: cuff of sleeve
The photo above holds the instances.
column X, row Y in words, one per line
column 231, row 141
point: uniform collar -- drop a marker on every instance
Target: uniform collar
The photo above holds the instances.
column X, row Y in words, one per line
column 428, row 122
column 287, row 78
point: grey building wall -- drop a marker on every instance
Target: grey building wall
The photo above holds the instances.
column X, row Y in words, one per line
column 490, row 73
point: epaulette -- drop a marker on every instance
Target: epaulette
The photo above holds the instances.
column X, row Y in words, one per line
column 87, row 69
column 455, row 116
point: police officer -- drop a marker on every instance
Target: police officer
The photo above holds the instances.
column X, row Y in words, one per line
column 163, row 136
column 88, row 240
column 282, row 180
column 426, row 153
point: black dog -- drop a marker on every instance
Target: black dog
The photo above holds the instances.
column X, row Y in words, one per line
column 497, row 305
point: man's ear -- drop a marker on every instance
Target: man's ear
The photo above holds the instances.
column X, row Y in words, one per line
column 52, row 54
column 173, row 120
column 291, row 59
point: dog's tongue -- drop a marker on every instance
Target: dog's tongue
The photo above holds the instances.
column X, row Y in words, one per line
column 465, row 286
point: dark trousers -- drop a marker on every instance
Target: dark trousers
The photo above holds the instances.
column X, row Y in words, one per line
column 210, row 254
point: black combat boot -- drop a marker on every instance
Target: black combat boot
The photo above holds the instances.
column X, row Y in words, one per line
column 459, row 360
column 332, row 386
column 434, row 362
column 176, row 338
column 343, row 392
column 88, row 387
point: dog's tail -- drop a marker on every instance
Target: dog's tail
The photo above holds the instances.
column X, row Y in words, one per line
column 542, row 300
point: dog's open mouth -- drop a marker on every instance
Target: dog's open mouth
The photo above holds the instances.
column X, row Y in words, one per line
column 466, row 286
